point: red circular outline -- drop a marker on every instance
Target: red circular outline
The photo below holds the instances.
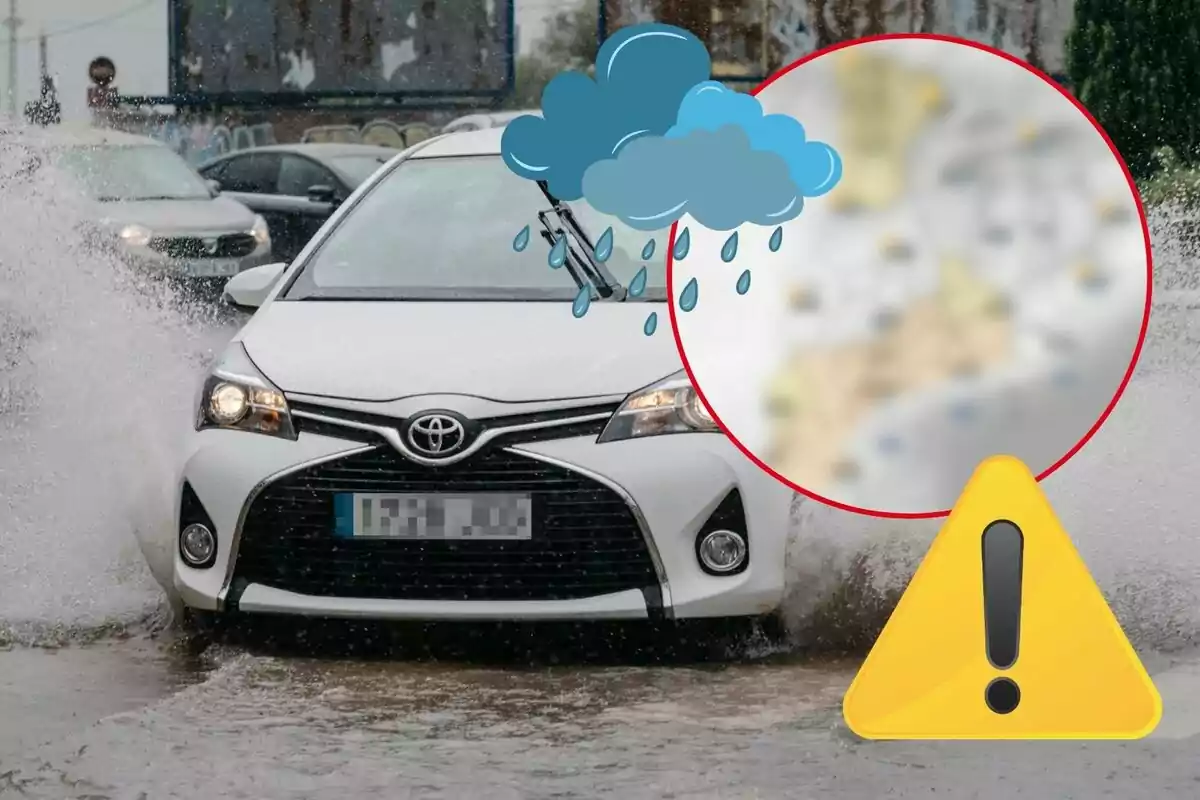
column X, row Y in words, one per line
column 1137, row 351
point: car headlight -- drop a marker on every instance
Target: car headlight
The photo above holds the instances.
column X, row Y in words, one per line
column 235, row 395
column 135, row 235
column 669, row 406
column 260, row 231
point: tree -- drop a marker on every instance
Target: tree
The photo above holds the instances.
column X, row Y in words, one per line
column 1133, row 65
column 570, row 43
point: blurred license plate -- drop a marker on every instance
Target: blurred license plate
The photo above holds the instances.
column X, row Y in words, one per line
column 218, row 268
column 433, row 516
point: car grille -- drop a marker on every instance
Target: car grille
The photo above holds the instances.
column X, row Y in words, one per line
column 561, row 423
column 231, row 245
column 586, row 540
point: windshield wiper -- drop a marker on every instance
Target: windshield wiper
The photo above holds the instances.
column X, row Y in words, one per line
column 584, row 259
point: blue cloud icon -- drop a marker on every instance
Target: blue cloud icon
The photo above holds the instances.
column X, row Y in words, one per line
column 642, row 74
column 815, row 167
column 716, row 176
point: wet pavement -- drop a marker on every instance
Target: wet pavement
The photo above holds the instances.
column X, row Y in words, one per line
column 137, row 719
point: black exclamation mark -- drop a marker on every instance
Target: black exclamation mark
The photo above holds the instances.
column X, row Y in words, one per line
column 1003, row 548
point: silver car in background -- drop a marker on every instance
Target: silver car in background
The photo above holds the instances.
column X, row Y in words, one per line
column 161, row 213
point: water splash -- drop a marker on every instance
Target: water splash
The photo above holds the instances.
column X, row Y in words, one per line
column 604, row 246
column 583, row 301
column 689, row 295
column 78, row 328
column 558, row 253
column 776, row 240
column 648, row 250
column 638, row 285
column 729, row 249
column 743, row 282
column 651, row 324
column 521, row 240
column 682, row 245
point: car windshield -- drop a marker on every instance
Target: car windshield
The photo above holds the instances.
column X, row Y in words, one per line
column 358, row 168
column 133, row 172
column 444, row 228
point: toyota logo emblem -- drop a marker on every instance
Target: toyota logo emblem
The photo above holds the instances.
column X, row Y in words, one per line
column 211, row 245
column 436, row 435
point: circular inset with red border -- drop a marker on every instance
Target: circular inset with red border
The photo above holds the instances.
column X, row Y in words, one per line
column 978, row 282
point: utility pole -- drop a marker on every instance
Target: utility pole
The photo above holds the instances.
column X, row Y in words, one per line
column 13, row 22
column 43, row 59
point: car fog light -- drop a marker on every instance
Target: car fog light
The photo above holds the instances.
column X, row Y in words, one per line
column 722, row 551
column 197, row 545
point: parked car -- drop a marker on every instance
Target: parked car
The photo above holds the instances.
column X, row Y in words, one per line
column 295, row 187
column 479, row 122
column 157, row 208
column 415, row 425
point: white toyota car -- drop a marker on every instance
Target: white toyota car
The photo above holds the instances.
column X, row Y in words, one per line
column 416, row 425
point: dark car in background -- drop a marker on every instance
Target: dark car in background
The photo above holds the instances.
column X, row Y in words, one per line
column 295, row 187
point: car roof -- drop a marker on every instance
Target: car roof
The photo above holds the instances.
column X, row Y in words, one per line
column 319, row 150
column 485, row 142
column 88, row 136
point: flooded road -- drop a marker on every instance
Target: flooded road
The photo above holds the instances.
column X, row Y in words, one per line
column 85, row 541
column 262, row 726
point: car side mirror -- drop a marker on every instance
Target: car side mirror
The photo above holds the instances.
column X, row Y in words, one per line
column 214, row 187
column 322, row 193
column 248, row 290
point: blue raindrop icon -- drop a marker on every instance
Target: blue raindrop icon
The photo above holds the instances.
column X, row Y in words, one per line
column 729, row 249
column 521, row 241
column 743, row 283
column 583, row 301
column 776, row 240
column 558, row 253
column 648, row 250
column 604, row 246
column 638, row 284
column 683, row 243
column 651, row 324
column 689, row 295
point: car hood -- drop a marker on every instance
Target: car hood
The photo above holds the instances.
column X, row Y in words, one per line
column 510, row 352
column 215, row 215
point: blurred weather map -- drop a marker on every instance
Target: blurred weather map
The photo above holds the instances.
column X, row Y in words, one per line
column 974, row 284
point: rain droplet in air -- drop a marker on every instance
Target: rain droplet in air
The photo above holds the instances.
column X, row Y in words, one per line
column 689, row 295
column 522, row 239
column 682, row 245
column 743, row 283
column 729, row 249
column 638, row 284
column 604, row 246
column 651, row 324
column 558, row 253
column 583, row 301
column 648, row 250
column 776, row 240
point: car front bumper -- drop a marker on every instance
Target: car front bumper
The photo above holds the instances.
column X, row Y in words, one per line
column 198, row 269
column 671, row 484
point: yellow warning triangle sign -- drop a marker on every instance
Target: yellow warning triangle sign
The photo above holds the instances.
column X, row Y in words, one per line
column 1040, row 657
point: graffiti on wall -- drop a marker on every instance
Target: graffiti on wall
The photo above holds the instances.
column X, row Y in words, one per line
column 397, row 45
column 379, row 132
